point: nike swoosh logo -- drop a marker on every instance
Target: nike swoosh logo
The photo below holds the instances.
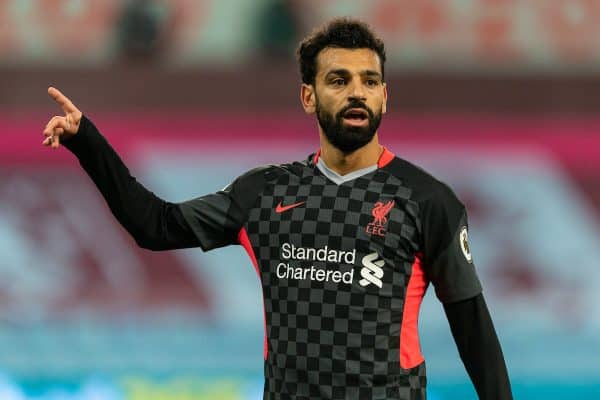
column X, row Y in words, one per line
column 281, row 208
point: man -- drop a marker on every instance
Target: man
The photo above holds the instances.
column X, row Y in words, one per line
column 345, row 242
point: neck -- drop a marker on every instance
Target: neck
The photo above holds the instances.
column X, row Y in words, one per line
column 343, row 163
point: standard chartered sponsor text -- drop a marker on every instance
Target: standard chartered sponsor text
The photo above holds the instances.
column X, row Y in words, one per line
column 284, row 271
column 324, row 254
column 291, row 252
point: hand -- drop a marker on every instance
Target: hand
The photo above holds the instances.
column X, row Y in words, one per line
column 59, row 126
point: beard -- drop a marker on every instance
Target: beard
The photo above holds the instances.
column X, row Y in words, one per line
column 347, row 139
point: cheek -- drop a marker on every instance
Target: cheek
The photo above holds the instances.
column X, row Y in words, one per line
column 328, row 104
column 380, row 102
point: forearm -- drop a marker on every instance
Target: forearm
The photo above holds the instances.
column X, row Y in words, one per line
column 153, row 222
column 479, row 348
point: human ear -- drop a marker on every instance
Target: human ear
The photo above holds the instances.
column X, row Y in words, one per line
column 307, row 97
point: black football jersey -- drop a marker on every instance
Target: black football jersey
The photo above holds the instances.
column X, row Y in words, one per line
column 343, row 267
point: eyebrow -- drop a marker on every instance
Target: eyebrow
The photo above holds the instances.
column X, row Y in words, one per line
column 345, row 72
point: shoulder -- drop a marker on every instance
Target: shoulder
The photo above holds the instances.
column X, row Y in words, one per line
column 425, row 188
column 255, row 179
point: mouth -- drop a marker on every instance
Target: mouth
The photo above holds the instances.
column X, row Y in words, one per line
column 356, row 113
column 356, row 116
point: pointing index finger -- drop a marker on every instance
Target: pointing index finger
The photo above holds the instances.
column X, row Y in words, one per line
column 62, row 100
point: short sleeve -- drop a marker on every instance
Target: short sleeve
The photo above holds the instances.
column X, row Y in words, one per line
column 217, row 218
column 447, row 255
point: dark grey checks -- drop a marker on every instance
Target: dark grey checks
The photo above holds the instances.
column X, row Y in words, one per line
column 328, row 339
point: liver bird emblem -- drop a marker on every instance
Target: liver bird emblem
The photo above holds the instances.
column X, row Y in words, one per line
column 380, row 212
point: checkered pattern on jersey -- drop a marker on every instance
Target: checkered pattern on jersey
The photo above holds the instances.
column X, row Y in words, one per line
column 326, row 339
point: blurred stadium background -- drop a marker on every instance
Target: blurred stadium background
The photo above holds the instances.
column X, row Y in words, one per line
column 500, row 98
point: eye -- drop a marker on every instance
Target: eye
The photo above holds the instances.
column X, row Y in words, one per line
column 372, row 82
column 338, row 82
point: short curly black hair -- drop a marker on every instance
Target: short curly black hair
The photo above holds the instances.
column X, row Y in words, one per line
column 342, row 32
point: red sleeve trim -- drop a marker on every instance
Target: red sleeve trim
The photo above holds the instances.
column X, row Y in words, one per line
column 245, row 242
column 410, row 347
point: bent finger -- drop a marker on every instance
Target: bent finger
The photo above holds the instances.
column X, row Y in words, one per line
column 55, row 141
column 49, row 126
column 54, row 124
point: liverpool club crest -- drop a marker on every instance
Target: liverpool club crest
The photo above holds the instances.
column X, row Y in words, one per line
column 380, row 212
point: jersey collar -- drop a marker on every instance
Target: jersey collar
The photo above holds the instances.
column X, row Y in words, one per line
column 384, row 159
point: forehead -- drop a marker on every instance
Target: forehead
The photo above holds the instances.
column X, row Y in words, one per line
column 332, row 58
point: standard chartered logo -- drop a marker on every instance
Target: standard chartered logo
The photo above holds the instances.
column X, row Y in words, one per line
column 372, row 271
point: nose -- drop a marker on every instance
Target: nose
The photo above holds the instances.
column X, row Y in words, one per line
column 357, row 91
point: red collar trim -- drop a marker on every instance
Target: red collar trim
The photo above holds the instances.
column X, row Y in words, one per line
column 316, row 157
column 384, row 159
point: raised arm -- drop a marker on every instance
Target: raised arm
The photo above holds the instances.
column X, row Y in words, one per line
column 154, row 223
